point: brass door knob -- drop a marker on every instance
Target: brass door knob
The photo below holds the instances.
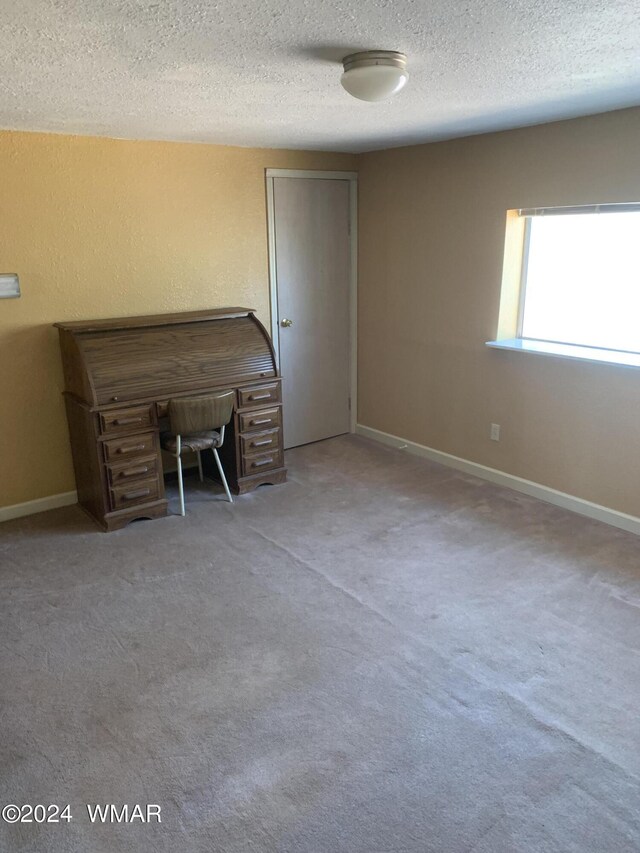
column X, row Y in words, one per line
column 286, row 323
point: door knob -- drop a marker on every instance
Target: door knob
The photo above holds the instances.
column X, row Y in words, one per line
column 286, row 323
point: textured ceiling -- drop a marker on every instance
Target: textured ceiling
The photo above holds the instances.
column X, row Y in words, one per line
column 243, row 72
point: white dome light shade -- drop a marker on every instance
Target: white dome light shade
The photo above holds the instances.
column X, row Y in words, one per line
column 374, row 75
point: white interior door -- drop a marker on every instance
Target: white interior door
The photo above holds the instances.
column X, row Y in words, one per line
column 311, row 242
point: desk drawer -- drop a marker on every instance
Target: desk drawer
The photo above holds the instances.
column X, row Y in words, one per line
column 265, row 419
column 262, row 462
column 133, row 494
column 129, row 472
column 260, row 442
column 129, row 447
column 126, row 420
column 261, row 395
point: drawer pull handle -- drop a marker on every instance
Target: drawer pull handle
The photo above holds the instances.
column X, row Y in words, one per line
column 264, row 443
column 262, row 462
column 126, row 421
column 131, row 448
column 260, row 396
column 260, row 421
column 134, row 472
column 132, row 496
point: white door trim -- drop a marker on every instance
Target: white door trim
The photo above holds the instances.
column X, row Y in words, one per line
column 352, row 177
column 312, row 173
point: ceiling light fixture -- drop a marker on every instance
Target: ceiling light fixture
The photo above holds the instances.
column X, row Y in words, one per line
column 374, row 75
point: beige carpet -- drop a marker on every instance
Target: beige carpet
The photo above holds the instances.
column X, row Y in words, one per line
column 381, row 656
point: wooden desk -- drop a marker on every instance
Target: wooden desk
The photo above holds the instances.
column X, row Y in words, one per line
column 120, row 375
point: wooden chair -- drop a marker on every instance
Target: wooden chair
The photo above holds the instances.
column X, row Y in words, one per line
column 197, row 424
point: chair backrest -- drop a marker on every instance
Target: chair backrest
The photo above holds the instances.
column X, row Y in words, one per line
column 196, row 414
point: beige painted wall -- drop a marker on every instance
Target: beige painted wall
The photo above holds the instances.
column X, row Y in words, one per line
column 431, row 231
column 100, row 228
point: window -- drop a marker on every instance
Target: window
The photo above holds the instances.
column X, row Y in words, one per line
column 579, row 282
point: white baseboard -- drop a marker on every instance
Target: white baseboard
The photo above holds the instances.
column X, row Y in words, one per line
column 536, row 490
column 39, row 505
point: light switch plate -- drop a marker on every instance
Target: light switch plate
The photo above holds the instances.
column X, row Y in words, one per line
column 9, row 285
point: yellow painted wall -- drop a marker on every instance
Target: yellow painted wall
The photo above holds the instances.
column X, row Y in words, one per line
column 106, row 228
column 431, row 230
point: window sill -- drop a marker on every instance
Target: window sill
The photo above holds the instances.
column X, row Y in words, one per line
column 592, row 354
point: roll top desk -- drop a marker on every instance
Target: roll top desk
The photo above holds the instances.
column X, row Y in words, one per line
column 119, row 376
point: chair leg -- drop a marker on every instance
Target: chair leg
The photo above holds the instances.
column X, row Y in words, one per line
column 222, row 476
column 200, row 467
column 180, row 483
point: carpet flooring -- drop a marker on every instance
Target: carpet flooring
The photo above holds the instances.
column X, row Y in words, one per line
column 381, row 656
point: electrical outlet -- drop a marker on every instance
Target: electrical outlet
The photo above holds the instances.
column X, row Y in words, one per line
column 495, row 432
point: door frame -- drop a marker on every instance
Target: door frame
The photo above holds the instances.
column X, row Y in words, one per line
column 352, row 178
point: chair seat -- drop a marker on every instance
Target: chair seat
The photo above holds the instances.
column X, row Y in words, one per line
column 196, row 441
